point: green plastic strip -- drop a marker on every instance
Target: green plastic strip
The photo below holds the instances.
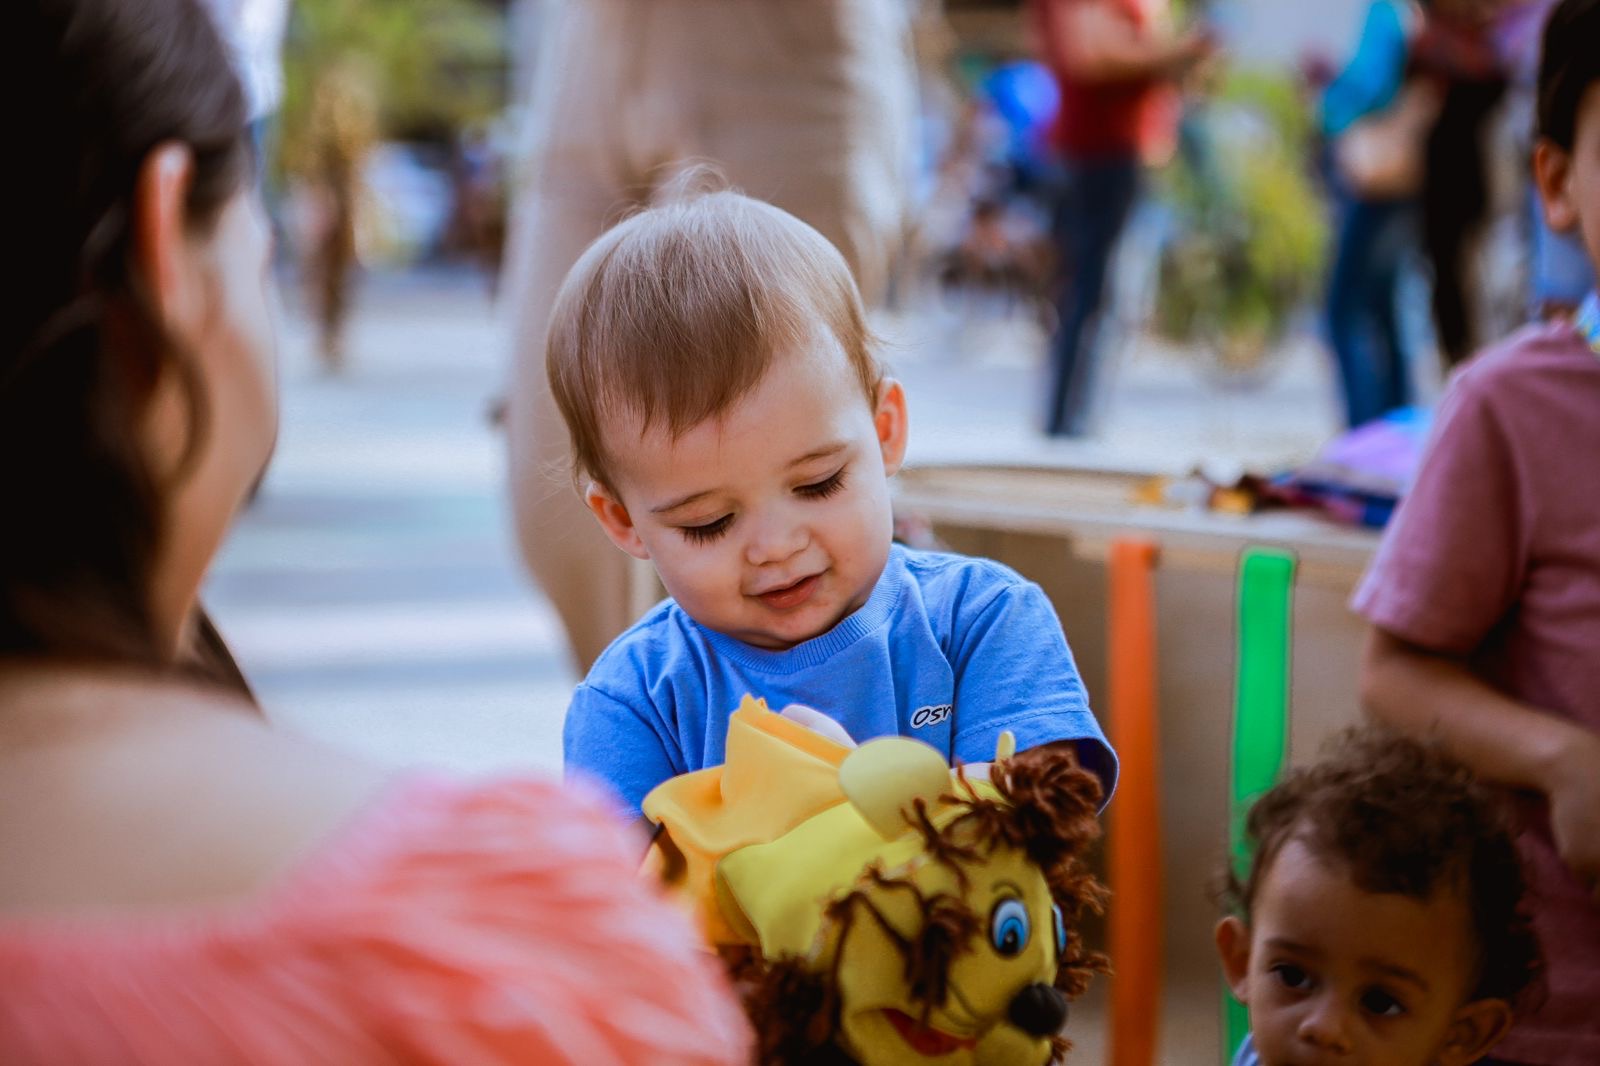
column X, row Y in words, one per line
column 1260, row 714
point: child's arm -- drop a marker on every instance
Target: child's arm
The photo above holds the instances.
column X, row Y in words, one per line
column 1428, row 694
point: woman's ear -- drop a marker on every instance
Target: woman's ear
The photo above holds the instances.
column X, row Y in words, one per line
column 613, row 517
column 164, row 256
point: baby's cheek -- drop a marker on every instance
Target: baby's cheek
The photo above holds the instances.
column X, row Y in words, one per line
column 714, row 572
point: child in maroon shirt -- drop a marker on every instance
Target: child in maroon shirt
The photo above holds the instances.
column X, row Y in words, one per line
column 1486, row 592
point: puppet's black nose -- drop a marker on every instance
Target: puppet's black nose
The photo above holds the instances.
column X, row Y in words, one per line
column 1039, row 1010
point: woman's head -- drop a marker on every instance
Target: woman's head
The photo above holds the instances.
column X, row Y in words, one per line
column 136, row 399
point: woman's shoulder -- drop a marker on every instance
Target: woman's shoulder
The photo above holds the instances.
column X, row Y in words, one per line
column 445, row 921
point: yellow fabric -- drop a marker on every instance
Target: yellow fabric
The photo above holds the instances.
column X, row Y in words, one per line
column 882, row 777
column 763, row 847
column 777, row 774
column 776, row 886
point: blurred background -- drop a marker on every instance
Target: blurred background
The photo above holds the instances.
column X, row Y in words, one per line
column 375, row 581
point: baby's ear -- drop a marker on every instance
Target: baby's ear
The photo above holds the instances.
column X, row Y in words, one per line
column 1233, row 947
column 890, row 419
column 613, row 517
column 1475, row 1029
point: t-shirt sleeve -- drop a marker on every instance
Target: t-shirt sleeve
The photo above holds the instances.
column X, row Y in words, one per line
column 1014, row 671
column 623, row 745
column 1454, row 558
column 508, row 924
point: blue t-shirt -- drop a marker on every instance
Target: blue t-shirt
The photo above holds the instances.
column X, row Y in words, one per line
column 1246, row 1055
column 947, row 649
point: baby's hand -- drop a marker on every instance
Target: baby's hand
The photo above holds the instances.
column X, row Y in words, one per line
column 817, row 722
column 1574, row 796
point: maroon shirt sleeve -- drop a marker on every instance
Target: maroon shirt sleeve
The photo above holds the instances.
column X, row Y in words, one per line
column 1453, row 560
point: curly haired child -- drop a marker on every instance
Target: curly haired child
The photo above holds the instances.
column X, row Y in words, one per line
column 1380, row 922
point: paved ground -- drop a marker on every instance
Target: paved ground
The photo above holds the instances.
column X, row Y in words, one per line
column 372, row 593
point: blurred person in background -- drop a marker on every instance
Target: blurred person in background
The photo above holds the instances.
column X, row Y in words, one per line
column 1455, row 52
column 181, row 883
column 1374, row 123
column 476, row 228
column 1118, row 63
column 807, row 104
column 341, row 132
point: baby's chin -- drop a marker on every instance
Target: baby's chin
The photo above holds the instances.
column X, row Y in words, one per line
column 780, row 638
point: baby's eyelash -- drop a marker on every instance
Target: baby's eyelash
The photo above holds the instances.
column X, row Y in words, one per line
column 1290, row 975
column 1382, row 1002
column 708, row 532
column 821, row 490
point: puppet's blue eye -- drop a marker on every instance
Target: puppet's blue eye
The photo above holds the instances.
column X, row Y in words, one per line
column 1008, row 927
column 1061, row 929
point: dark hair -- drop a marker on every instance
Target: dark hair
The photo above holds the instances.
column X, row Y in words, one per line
column 1569, row 64
column 1401, row 818
column 100, row 84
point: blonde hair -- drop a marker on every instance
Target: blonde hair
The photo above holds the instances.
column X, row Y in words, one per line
column 676, row 313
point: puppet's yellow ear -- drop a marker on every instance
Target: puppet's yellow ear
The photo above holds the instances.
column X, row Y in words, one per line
column 883, row 776
column 1006, row 746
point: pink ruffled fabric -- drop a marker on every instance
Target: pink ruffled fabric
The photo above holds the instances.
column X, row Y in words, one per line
column 449, row 923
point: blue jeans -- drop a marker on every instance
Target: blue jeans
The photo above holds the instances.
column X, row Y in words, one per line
column 1097, row 197
column 1363, row 313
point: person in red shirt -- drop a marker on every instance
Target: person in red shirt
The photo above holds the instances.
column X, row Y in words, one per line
column 1118, row 63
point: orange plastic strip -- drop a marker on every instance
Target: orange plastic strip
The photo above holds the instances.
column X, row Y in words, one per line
column 1134, row 839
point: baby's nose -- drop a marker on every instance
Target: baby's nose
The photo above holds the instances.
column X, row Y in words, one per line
column 775, row 539
column 1326, row 1026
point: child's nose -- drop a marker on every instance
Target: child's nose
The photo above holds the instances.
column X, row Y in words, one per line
column 774, row 538
column 1327, row 1025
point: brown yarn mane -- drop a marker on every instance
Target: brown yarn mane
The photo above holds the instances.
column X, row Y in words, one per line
column 795, row 1012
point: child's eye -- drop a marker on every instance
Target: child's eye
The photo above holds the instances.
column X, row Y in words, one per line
column 706, row 533
column 1291, row 976
column 821, row 490
column 1377, row 1001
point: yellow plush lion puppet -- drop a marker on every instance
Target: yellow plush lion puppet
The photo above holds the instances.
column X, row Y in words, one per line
column 876, row 907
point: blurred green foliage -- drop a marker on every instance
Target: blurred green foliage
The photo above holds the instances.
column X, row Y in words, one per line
column 432, row 67
column 1251, row 231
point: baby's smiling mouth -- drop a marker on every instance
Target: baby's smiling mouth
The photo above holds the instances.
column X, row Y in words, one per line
column 791, row 595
